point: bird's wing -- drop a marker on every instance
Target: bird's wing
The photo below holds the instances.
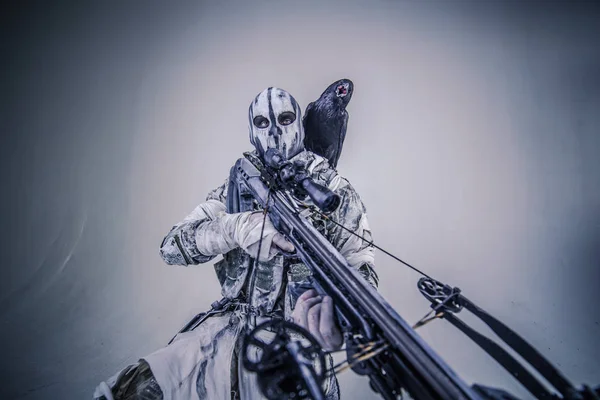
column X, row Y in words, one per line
column 338, row 151
column 308, row 109
column 308, row 134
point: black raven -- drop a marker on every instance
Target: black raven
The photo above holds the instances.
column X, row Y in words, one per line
column 326, row 119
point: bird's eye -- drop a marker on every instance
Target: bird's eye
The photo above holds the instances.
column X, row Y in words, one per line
column 260, row 122
column 286, row 118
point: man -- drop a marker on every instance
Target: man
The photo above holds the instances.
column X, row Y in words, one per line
column 204, row 363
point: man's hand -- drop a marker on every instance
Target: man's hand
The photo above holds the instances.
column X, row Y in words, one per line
column 272, row 240
column 244, row 230
column 278, row 240
column 315, row 314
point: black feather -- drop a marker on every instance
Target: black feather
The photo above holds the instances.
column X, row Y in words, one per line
column 325, row 121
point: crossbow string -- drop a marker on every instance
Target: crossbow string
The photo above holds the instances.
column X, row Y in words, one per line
column 445, row 302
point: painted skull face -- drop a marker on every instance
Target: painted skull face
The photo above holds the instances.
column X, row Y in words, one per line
column 275, row 123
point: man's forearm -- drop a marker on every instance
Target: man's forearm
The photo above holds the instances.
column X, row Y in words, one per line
column 179, row 246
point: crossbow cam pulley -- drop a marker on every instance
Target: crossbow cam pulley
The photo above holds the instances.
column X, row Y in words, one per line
column 289, row 365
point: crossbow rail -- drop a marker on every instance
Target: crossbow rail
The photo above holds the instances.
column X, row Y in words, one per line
column 408, row 363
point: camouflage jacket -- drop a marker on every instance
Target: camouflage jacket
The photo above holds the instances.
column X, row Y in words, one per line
column 278, row 281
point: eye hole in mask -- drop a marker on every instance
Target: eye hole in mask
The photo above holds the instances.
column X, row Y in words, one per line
column 286, row 118
column 260, row 122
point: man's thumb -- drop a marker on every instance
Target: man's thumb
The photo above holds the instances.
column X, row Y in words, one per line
column 283, row 243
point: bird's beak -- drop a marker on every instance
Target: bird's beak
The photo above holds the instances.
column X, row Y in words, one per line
column 342, row 90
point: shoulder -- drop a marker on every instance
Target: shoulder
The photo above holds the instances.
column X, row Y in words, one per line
column 220, row 193
column 318, row 168
column 320, row 171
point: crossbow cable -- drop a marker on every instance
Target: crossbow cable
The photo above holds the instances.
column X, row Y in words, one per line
column 448, row 301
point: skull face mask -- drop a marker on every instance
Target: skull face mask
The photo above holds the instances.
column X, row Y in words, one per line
column 275, row 123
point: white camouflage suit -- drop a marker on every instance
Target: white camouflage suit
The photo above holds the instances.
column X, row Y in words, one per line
column 203, row 363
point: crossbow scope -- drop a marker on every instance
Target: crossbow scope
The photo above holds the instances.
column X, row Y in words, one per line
column 295, row 174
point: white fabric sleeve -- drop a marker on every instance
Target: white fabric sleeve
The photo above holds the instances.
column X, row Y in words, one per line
column 179, row 245
column 228, row 231
column 355, row 250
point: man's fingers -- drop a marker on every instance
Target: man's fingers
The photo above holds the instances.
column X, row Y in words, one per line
column 316, row 314
column 307, row 295
column 300, row 314
column 332, row 337
column 314, row 318
column 283, row 243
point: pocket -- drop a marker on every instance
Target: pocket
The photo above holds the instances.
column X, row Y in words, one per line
column 299, row 281
column 231, row 272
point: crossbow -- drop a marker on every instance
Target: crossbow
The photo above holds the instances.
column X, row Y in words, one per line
column 379, row 343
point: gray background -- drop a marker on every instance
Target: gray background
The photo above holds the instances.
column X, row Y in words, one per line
column 473, row 140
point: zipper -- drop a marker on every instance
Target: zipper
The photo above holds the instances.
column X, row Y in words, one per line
column 185, row 257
